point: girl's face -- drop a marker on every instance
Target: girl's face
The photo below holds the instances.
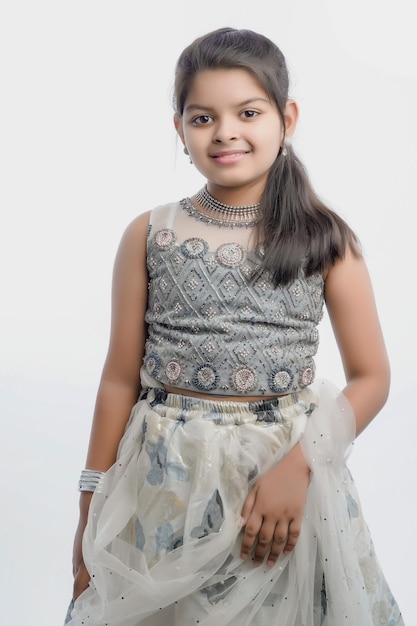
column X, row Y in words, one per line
column 232, row 129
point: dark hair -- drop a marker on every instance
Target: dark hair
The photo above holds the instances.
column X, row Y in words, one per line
column 295, row 223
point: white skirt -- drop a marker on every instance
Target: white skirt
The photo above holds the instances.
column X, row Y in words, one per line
column 162, row 543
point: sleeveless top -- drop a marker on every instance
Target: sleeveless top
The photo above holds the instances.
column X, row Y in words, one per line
column 215, row 323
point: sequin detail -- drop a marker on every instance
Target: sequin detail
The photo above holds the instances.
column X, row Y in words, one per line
column 244, row 379
column 205, row 377
column 216, row 321
column 281, row 380
column 152, row 363
column 230, row 254
column 307, row 376
column 194, row 248
column 165, row 238
column 173, row 371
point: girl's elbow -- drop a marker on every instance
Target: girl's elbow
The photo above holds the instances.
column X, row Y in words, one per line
column 385, row 383
column 379, row 384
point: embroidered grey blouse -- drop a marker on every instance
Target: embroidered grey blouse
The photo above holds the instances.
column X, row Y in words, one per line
column 212, row 327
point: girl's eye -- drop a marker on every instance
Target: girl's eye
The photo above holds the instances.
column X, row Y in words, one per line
column 201, row 120
column 249, row 114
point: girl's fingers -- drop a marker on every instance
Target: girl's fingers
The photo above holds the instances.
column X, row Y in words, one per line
column 250, row 535
column 268, row 529
column 248, row 505
column 278, row 542
column 263, row 545
column 82, row 578
column 293, row 534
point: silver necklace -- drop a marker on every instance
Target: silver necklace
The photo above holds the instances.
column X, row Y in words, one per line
column 221, row 214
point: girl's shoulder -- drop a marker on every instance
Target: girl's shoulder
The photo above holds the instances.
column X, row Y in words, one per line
column 138, row 230
column 352, row 253
column 163, row 216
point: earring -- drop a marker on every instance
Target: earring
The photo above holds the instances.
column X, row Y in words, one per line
column 287, row 143
column 187, row 153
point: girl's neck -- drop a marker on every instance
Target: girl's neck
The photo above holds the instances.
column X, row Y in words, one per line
column 235, row 196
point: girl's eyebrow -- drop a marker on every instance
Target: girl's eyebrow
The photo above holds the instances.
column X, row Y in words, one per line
column 191, row 107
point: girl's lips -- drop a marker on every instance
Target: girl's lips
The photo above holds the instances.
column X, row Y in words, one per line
column 229, row 157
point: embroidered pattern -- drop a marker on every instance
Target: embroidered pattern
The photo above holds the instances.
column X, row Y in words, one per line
column 230, row 254
column 152, row 363
column 307, row 376
column 165, row 239
column 173, row 371
column 194, row 248
column 244, row 379
column 205, row 377
column 281, row 381
column 214, row 323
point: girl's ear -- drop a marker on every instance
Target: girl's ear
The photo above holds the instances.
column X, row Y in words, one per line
column 291, row 117
column 178, row 126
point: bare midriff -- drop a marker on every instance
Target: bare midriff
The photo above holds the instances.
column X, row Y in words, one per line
column 218, row 398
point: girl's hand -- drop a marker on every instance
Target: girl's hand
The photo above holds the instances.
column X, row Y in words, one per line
column 273, row 510
column 81, row 575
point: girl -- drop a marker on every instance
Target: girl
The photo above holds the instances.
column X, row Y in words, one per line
column 225, row 498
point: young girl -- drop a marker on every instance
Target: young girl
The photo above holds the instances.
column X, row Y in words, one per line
column 224, row 499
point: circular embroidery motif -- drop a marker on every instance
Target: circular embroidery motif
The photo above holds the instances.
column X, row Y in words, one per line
column 244, row 379
column 205, row 377
column 165, row 238
column 152, row 363
column 194, row 248
column 173, row 371
column 230, row 254
column 307, row 376
column 281, row 380
column 314, row 335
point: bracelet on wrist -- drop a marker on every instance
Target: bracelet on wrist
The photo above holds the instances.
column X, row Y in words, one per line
column 90, row 480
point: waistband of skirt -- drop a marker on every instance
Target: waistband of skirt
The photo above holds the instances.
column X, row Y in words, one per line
column 268, row 410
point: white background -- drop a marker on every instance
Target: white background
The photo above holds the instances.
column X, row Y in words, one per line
column 87, row 143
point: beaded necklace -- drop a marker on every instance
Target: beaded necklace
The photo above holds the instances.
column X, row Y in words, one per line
column 221, row 214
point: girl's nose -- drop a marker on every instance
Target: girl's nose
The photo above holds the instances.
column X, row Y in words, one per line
column 225, row 130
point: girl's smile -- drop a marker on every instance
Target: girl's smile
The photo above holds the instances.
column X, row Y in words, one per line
column 232, row 130
column 230, row 157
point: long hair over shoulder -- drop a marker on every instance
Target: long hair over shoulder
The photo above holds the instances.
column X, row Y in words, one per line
column 296, row 228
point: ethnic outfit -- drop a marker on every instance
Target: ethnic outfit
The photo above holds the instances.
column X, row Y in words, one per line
column 162, row 543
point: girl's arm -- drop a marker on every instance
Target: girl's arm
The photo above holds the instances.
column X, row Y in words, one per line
column 120, row 383
column 273, row 510
column 353, row 314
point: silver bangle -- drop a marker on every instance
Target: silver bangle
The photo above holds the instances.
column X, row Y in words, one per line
column 90, row 480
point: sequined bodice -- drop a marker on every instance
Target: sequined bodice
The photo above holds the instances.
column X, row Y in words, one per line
column 215, row 327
